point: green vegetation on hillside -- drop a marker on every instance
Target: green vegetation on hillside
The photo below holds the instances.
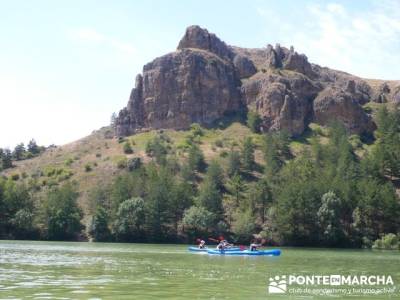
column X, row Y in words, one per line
column 323, row 189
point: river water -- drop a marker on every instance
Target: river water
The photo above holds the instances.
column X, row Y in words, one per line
column 70, row 270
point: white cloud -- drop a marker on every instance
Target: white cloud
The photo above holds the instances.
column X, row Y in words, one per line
column 362, row 42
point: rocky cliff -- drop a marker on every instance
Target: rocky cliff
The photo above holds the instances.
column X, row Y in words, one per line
column 205, row 79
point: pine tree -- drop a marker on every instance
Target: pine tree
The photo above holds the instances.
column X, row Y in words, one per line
column 271, row 156
column 215, row 174
column 196, row 158
column 260, row 196
column 19, row 152
column 248, row 154
column 210, row 198
column 234, row 163
column 33, row 147
column 236, row 187
column 7, row 159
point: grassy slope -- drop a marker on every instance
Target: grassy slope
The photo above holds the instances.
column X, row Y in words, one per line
column 102, row 154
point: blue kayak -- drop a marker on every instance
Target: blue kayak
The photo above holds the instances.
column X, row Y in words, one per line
column 197, row 249
column 272, row 252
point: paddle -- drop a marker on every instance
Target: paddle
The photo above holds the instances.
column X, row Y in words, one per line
column 213, row 240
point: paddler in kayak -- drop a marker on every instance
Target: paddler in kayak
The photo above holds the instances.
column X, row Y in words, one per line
column 254, row 246
column 223, row 245
column 202, row 244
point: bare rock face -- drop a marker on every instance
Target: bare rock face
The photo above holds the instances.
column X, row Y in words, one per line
column 179, row 89
column 288, row 59
column 204, row 79
column 334, row 103
column 131, row 117
column 199, row 38
column 284, row 103
column 244, row 66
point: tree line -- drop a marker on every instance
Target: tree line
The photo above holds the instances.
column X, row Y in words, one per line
column 20, row 152
column 326, row 195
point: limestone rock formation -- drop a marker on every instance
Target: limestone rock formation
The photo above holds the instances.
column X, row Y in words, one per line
column 244, row 66
column 199, row 38
column 336, row 104
column 204, row 79
column 282, row 102
column 178, row 89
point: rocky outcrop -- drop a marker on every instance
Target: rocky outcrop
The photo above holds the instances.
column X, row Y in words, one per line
column 244, row 66
column 336, row 104
column 288, row 59
column 181, row 88
column 282, row 102
column 204, row 79
column 199, row 38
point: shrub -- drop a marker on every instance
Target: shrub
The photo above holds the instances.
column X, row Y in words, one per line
column 389, row 241
column 68, row 162
column 98, row 155
column 219, row 143
column 254, row 121
column 223, row 154
column 196, row 129
column 134, row 163
column 15, row 176
column 88, row 167
column 127, row 148
column 121, row 163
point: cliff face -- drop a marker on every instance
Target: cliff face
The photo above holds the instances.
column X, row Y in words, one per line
column 204, row 79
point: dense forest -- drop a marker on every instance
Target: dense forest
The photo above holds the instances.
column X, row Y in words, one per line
column 324, row 196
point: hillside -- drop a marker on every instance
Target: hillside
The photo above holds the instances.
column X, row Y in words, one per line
column 220, row 140
column 102, row 153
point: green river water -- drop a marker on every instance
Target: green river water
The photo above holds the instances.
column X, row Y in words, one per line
column 67, row 270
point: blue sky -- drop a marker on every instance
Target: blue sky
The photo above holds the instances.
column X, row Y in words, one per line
column 65, row 66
